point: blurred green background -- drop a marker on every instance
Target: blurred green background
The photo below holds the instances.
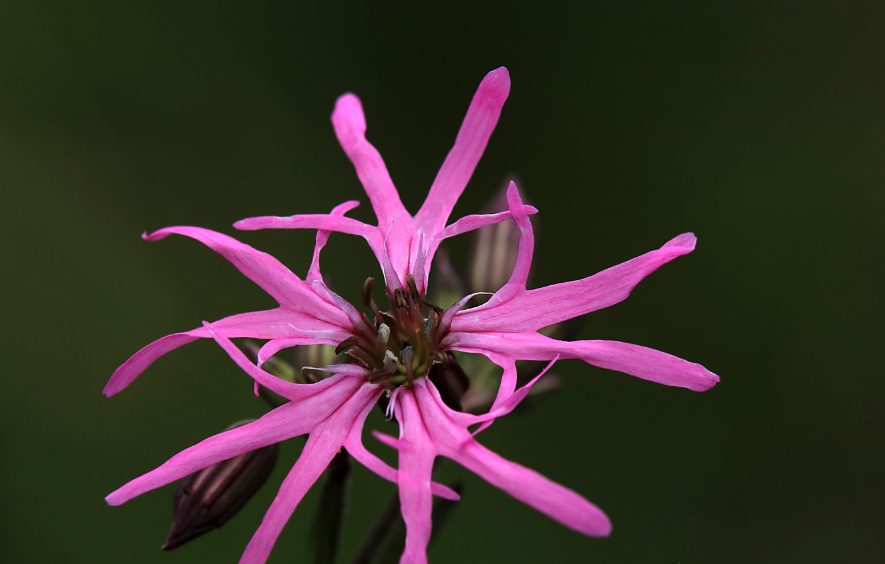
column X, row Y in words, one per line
column 760, row 126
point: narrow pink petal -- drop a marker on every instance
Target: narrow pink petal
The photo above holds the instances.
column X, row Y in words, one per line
column 472, row 222
column 533, row 489
column 392, row 442
column 137, row 363
column 269, row 324
column 504, row 403
column 445, row 320
column 416, row 455
column 463, row 225
column 324, row 442
column 541, row 307
column 289, row 390
column 322, row 222
column 516, row 285
column 641, row 362
column 456, row 170
column 269, row 273
column 287, row 421
column 274, row 346
column 354, row 445
column 350, row 128
column 357, row 320
column 322, row 237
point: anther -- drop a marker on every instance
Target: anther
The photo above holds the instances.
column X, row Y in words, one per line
column 435, row 308
column 367, row 291
column 413, row 288
column 389, row 361
column 384, row 333
column 346, row 344
column 428, row 325
column 406, row 355
column 399, row 297
column 362, row 362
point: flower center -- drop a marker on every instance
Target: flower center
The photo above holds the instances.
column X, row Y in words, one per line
column 402, row 343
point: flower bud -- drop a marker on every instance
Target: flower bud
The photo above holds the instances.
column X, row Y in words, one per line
column 207, row 499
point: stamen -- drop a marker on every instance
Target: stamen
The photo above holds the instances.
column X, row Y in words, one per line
column 384, row 333
column 346, row 344
column 428, row 325
column 399, row 297
column 367, row 291
column 435, row 308
column 389, row 361
column 405, row 356
column 354, row 355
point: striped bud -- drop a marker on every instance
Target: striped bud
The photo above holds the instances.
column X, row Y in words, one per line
column 207, row 499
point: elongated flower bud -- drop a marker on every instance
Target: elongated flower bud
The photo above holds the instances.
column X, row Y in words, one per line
column 207, row 499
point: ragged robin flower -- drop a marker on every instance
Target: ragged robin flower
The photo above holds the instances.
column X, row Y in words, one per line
column 403, row 355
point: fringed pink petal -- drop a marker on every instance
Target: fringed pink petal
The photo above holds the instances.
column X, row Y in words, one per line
column 290, row 420
column 324, row 442
column 137, row 363
column 516, row 285
column 641, row 362
column 456, row 170
column 322, row 237
column 322, row 222
column 416, row 455
column 463, row 225
column 354, row 445
column 350, row 128
column 269, row 273
column 289, row 390
column 473, row 222
column 358, row 321
column 269, row 324
column 386, row 439
column 504, row 403
column 534, row 309
column 533, row 489
column 274, row 346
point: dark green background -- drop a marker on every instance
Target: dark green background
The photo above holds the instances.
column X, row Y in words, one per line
column 760, row 126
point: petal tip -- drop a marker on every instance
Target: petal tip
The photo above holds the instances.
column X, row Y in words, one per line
column 348, row 117
column 496, row 84
column 687, row 241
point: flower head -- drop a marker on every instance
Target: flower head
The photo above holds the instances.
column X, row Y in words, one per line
column 404, row 355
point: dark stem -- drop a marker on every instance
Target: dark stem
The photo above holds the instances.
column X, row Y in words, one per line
column 326, row 528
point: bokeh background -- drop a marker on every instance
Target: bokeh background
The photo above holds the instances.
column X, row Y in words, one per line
column 760, row 126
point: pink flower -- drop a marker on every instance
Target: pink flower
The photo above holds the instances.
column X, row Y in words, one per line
column 403, row 351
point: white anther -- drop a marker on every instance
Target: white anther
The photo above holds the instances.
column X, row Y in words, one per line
column 384, row 333
column 390, row 361
column 428, row 324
